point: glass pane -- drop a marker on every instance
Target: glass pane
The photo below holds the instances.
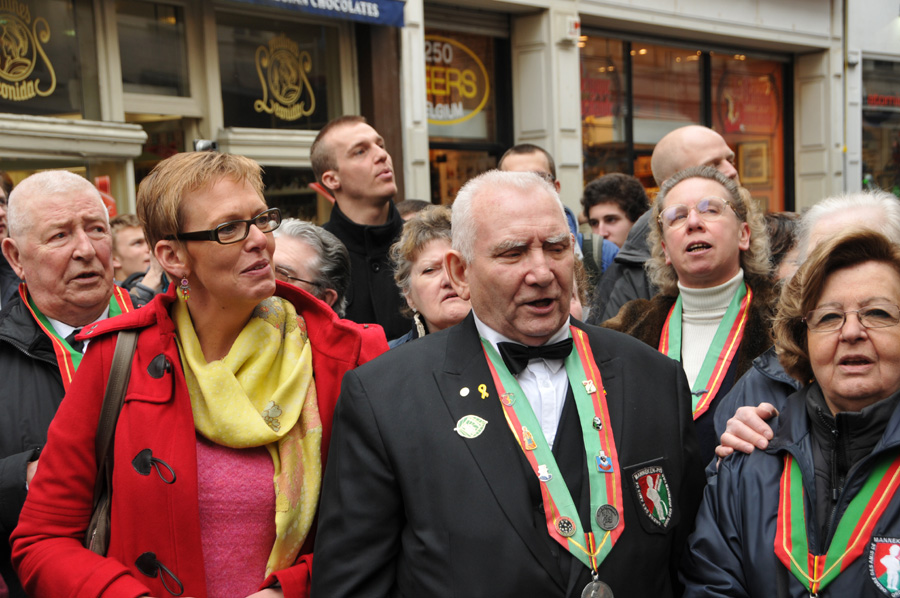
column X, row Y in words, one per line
column 278, row 74
column 748, row 107
column 152, row 48
column 666, row 91
column 460, row 86
column 450, row 169
column 40, row 66
column 288, row 190
column 603, row 107
column 881, row 125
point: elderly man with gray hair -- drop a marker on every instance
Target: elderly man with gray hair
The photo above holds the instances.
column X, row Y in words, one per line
column 761, row 394
column 60, row 245
column 310, row 257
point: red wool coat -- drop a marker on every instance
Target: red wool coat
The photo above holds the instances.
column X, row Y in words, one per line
column 148, row 515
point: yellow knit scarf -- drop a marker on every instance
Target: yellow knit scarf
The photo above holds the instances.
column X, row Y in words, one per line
column 263, row 394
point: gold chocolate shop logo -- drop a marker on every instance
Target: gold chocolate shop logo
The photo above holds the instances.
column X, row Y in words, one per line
column 20, row 50
column 282, row 70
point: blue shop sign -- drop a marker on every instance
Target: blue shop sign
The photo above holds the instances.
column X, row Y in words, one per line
column 376, row 12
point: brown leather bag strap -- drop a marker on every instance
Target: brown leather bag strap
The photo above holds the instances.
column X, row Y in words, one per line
column 119, row 373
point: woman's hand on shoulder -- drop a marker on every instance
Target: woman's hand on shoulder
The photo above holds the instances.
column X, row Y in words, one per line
column 747, row 430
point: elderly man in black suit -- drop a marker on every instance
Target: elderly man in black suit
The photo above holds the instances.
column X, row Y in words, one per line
column 519, row 453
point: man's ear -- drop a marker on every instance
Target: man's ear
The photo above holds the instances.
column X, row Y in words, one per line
column 332, row 180
column 330, row 297
column 11, row 252
column 116, row 262
column 173, row 258
column 456, row 268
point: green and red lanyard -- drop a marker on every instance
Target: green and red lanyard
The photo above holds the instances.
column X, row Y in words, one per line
column 68, row 358
column 721, row 352
column 815, row 571
column 590, row 400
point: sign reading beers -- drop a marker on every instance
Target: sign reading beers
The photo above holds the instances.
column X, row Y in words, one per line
column 458, row 85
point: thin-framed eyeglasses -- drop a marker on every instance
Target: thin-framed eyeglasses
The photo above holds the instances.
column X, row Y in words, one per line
column 708, row 209
column 236, row 230
column 827, row 319
column 282, row 274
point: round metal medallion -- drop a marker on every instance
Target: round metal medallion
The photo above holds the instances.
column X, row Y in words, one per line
column 596, row 589
column 565, row 527
column 607, row 517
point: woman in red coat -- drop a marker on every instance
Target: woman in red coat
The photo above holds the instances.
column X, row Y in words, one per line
column 221, row 441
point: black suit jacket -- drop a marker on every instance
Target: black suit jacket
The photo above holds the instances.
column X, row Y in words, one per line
column 411, row 508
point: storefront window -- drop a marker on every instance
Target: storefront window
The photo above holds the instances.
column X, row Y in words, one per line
column 41, row 64
column 881, row 125
column 278, row 74
column 668, row 87
column 152, row 48
column 748, row 111
column 603, row 108
column 461, row 90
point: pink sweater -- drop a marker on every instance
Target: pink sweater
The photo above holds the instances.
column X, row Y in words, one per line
column 237, row 517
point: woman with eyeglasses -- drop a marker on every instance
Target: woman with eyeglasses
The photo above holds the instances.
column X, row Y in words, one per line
column 710, row 260
column 817, row 513
column 222, row 438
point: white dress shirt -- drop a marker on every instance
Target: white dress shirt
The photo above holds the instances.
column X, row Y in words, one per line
column 544, row 381
column 64, row 330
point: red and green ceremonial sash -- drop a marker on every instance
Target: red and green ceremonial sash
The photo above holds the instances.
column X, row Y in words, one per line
column 720, row 353
column 816, row 571
column 605, row 485
column 67, row 358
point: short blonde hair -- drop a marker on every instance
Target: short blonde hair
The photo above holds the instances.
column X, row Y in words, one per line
column 427, row 225
column 802, row 292
column 754, row 261
column 161, row 194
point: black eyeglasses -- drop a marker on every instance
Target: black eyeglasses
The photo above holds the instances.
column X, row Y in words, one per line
column 282, row 273
column 236, row 230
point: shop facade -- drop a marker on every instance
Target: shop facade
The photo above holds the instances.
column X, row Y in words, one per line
column 108, row 89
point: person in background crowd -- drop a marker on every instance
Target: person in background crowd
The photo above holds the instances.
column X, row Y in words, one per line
column 60, row 245
column 710, row 261
column 311, row 258
column 232, row 389
column 9, row 282
column 349, row 158
column 418, row 258
column 626, row 279
column 762, row 393
column 611, row 204
column 781, row 228
column 580, row 296
column 817, row 512
column 131, row 255
column 444, row 498
column 408, row 208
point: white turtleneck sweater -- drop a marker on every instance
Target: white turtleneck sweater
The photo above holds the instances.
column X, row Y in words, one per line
column 702, row 311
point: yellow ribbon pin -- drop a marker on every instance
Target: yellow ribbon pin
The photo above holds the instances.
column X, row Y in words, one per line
column 482, row 388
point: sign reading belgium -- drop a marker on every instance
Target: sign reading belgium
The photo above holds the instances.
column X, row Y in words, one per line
column 456, row 81
column 20, row 53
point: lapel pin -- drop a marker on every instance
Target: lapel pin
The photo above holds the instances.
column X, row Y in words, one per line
column 589, row 386
column 464, row 391
column 528, row 439
column 482, row 388
column 470, row 426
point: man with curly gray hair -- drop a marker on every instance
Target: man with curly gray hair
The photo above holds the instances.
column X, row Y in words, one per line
column 710, row 260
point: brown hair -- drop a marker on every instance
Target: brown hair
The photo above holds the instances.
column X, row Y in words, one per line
column 427, row 225
column 122, row 221
column 801, row 293
column 754, row 261
column 161, row 194
column 320, row 154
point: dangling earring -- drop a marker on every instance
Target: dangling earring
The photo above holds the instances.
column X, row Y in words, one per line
column 420, row 328
column 184, row 289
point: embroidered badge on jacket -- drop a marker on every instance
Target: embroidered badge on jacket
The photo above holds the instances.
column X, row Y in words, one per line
column 884, row 565
column 653, row 489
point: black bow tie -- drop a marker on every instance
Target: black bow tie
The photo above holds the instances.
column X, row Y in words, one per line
column 76, row 345
column 516, row 356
